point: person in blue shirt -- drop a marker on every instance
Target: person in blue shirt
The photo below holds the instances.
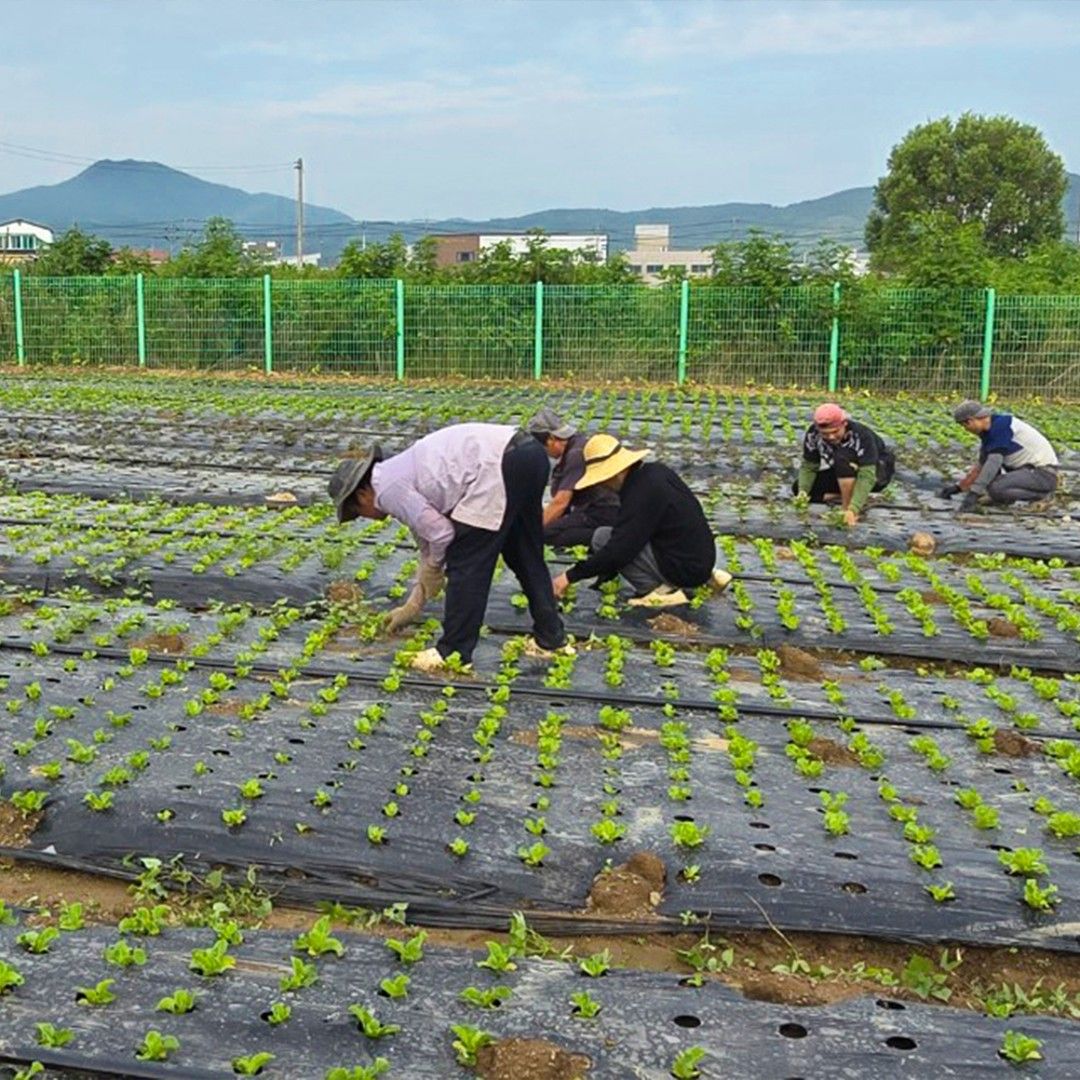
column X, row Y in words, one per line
column 1016, row 461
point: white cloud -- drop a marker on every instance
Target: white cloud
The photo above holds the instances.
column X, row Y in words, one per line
column 824, row 27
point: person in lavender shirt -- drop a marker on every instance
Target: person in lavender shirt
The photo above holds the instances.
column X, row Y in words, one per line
column 469, row 493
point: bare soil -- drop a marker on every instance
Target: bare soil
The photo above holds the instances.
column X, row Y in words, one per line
column 163, row 643
column 922, row 543
column 529, row 1059
column 344, row 592
column 799, row 664
column 672, row 624
column 15, row 828
column 228, row 707
column 1013, row 744
column 631, row 890
column 831, row 752
column 1002, row 628
column 931, row 596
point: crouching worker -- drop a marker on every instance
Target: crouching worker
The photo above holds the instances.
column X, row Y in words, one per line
column 1016, row 462
column 843, row 462
column 571, row 517
column 469, row 493
column 660, row 542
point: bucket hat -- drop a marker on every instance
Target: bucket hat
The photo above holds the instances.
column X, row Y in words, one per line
column 548, row 422
column 970, row 410
column 606, row 457
column 348, row 476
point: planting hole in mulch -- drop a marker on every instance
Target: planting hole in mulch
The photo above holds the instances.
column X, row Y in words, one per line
column 529, row 1059
column 799, row 664
column 163, row 643
column 15, row 827
column 672, row 624
column 832, row 753
column 1013, row 744
column 1003, row 628
column 633, row 888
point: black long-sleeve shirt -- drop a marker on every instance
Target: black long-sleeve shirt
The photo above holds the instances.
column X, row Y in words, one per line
column 656, row 508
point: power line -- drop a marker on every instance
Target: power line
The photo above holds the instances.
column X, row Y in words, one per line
column 37, row 154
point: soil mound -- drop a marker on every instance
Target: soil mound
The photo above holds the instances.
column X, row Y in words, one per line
column 344, row 592
column 631, row 889
column 15, row 828
column 672, row 624
column 1003, row 628
column 832, row 753
column 1013, row 744
column 529, row 1059
column 799, row 664
column 922, row 543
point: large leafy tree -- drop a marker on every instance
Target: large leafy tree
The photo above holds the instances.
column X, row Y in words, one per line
column 989, row 172
column 74, row 253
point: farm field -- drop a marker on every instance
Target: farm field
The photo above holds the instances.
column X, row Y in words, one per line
column 826, row 823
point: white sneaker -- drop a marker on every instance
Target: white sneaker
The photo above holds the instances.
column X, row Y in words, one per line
column 431, row 662
column 720, row 580
column 661, row 596
column 536, row 651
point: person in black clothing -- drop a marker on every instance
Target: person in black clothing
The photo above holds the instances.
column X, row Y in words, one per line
column 660, row 542
column 571, row 517
column 842, row 462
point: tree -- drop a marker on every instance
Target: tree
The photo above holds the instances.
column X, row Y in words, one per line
column 991, row 172
column 74, row 253
column 219, row 252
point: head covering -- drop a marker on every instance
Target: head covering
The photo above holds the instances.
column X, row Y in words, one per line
column 606, row 457
column 970, row 410
column 829, row 415
column 349, row 476
column 548, row 422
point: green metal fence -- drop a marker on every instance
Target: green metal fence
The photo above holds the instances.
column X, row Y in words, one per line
column 861, row 336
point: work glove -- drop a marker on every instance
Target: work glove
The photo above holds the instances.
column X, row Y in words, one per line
column 949, row 490
column 429, row 582
column 970, row 501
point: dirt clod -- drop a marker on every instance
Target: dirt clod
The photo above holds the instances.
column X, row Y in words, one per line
column 672, row 624
column 15, row 828
column 1002, row 628
column 344, row 592
column 631, row 889
column 832, row 753
column 281, row 499
column 1013, row 744
column 922, row 543
column 932, row 596
column 163, row 643
column 799, row 664
column 529, row 1059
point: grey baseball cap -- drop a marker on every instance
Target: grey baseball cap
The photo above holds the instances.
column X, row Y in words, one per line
column 970, row 410
column 548, row 422
column 348, row 476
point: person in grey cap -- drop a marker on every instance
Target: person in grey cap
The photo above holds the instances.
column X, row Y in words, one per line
column 469, row 493
column 570, row 517
column 1016, row 462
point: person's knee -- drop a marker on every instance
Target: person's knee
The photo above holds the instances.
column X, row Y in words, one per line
column 600, row 537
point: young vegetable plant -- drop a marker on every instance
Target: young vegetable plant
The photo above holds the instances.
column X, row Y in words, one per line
column 685, row 1065
column 411, row 951
column 318, row 941
column 252, row 1065
column 370, row 1025
column 53, row 1037
column 156, row 1047
column 468, row 1041
column 178, row 1003
column 1020, row 1048
column 491, row 998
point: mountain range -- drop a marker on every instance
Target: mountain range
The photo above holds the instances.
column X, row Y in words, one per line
column 144, row 204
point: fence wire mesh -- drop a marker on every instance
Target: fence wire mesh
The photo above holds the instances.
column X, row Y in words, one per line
column 611, row 332
column 779, row 337
column 483, row 331
column 1037, row 346
column 345, row 326
column 81, row 320
column 7, row 318
column 211, row 325
column 926, row 340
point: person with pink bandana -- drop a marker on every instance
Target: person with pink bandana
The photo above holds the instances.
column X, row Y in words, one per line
column 843, row 461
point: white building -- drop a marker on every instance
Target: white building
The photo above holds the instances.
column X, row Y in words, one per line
column 452, row 249
column 21, row 241
column 652, row 254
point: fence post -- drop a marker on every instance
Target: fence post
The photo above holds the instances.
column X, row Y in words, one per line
column 988, row 346
column 538, row 336
column 834, row 340
column 20, row 347
column 684, row 325
column 140, row 318
column 268, row 327
column 399, row 292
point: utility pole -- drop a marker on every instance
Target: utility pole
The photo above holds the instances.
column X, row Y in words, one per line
column 299, row 166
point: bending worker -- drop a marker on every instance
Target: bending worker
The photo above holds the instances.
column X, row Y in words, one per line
column 660, row 542
column 571, row 517
column 469, row 493
column 843, row 462
column 1016, row 462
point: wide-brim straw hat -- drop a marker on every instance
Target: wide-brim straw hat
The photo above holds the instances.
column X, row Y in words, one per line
column 348, row 476
column 606, row 457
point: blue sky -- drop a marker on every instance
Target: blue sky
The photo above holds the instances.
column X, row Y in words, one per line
column 434, row 108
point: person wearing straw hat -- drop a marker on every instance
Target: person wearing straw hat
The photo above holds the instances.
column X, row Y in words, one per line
column 469, row 493
column 660, row 542
column 1016, row 461
column 570, row 517
column 843, row 462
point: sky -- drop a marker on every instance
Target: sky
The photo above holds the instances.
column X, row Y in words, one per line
column 425, row 109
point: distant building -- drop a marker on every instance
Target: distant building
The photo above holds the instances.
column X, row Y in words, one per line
column 652, row 254
column 154, row 256
column 23, row 241
column 455, row 249
column 269, row 253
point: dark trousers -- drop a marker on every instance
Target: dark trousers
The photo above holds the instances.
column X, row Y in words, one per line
column 1026, row 484
column 471, row 558
column 577, row 526
column 825, row 482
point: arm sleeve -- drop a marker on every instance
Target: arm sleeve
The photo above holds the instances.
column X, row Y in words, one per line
column 633, row 530
column 811, row 454
column 991, row 466
column 807, row 472
column 433, row 531
column 573, row 469
column 864, row 484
